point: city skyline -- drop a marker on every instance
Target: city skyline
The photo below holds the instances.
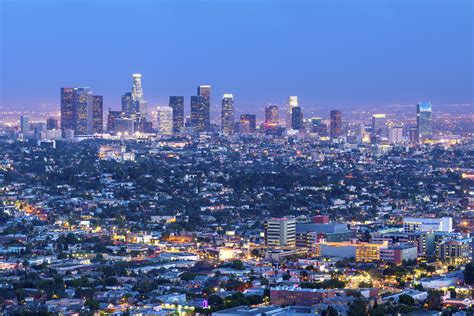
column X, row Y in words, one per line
column 400, row 62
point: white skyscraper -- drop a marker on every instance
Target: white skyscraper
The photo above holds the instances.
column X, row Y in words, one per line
column 395, row 134
column 137, row 94
column 292, row 102
column 164, row 116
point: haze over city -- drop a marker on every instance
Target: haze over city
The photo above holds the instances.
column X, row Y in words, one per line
column 329, row 53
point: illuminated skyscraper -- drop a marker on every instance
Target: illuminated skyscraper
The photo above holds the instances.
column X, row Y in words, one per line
column 200, row 114
column 129, row 106
column 164, row 118
column 379, row 124
column 24, row 124
column 98, row 114
column 395, row 134
column 227, row 116
column 83, row 111
column 67, row 109
column 423, row 120
column 335, row 127
column 296, row 118
column 137, row 95
column 272, row 115
column 177, row 104
column 248, row 123
column 292, row 102
column 205, row 91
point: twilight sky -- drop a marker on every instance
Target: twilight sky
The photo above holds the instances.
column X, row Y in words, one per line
column 328, row 52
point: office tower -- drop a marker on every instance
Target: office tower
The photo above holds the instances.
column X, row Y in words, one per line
column 296, row 118
column 227, row 116
column 83, row 111
column 200, row 114
column 379, row 124
column 335, row 127
column 52, row 123
column 112, row 117
column 67, row 109
column 395, row 134
column 124, row 125
column 98, row 114
column 423, row 120
column 164, row 118
column 272, row 115
column 292, row 102
column 413, row 135
column 129, row 106
column 137, row 95
column 24, row 124
column 177, row 104
column 319, row 127
column 248, row 123
column 205, row 92
column 280, row 232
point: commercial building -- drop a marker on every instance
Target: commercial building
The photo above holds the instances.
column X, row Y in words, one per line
column 454, row 251
column 24, row 124
column 395, row 135
column 137, row 95
column 98, row 114
column 335, row 127
column 177, row 104
column 280, row 232
column 414, row 224
column 423, row 120
column 361, row 251
column 164, row 119
column 307, row 234
column 396, row 254
column 227, row 114
column 288, row 295
column 296, row 118
column 52, row 123
column 248, row 123
column 200, row 114
column 129, row 106
column 291, row 103
column 379, row 122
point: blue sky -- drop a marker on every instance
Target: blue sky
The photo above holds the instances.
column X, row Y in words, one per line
column 328, row 52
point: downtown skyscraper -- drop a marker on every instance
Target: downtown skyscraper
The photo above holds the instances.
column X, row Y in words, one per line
column 227, row 114
column 291, row 103
column 177, row 104
column 137, row 95
column 81, row 111
column 164, row 119
column 272, row 115
column 201, row 110
column 423, row 120
column 335, row 124
column 98, row 114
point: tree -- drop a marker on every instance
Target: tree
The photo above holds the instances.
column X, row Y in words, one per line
column 469, row 274
column 434, row 299
column 215, row 300
column 238, row 265
column 358, row 308
column 406, row 299
column 92, row 304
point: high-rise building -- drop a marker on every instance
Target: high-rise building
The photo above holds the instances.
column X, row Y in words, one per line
column 112, row 117
column 280, row 232
column 417, row 224
column 164, row 118
column 52, row 123
column 379, row 124
column 272, row 115
column 227, row 116
column 423, row 120
column 200, row 114
column 248, row 123
column 177, row 104
column 83, row 111
column 205, row 92
column 292, row 102
column 67, row 109
column 137, row 95
column 24, row 124
column 129, row 106
column 98, row 114
column 296, row 118
column 335, row 127
column 395, row 134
